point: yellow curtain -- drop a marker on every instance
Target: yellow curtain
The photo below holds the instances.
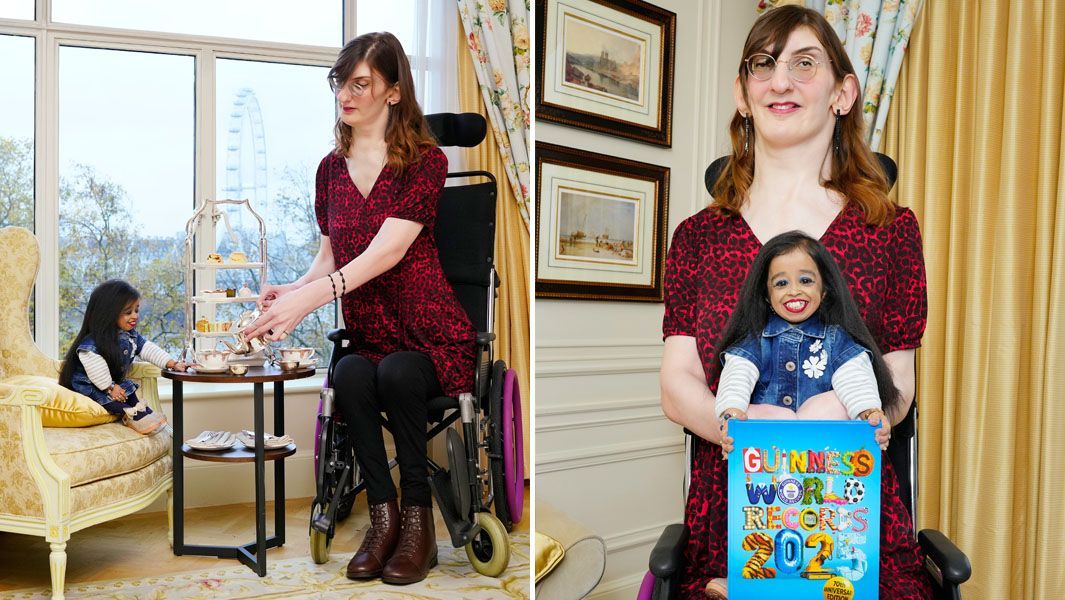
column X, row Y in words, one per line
column 976, row 127
column 511, row 249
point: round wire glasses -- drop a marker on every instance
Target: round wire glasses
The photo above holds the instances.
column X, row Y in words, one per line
column 800, row 67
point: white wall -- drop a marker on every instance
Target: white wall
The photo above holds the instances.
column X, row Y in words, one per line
column 605, row 454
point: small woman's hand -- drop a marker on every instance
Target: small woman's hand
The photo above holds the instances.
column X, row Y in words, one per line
column 874, row 417
column 269, row 293
column 726, row 439
column 116, row 392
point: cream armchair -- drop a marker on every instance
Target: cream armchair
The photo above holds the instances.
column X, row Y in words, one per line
column 57, row 481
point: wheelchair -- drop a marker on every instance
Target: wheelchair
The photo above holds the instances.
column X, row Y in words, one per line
column 948, row 565
column 485, row 467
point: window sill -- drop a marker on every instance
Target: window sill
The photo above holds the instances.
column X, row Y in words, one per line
column 213, row 391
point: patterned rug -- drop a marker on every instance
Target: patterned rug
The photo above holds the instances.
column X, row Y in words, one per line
column 453, row 578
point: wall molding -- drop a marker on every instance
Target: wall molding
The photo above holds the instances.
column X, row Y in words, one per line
column 603, row 406
column 632, row 538
column 599, row 343
column 647, row 415
column 586, row 368
column 619, row 587
column 566, row 460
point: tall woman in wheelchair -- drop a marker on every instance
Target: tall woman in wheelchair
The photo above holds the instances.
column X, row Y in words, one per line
column 375, row 201
column 798, row 161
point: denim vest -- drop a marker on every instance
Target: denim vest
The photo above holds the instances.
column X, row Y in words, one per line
column 130, row 343
column 795, row 361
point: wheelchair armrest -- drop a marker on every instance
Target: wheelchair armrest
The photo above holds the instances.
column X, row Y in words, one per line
column 338, row 335
column 667, row 558
column 484, row 338
column 952, row 563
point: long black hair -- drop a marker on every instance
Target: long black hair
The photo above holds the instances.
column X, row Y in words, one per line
column 753, row 310
column 101, row 323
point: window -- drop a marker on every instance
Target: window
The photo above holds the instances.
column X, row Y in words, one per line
column 126, row 173
column 274, row 124
column 16, row 9
column 16, row 135
column 16, row 131
column 399, row 17
column 311, row 22
column 147, row 111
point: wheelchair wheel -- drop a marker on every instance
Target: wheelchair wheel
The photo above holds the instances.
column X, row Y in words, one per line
column 495, row 445
column 513, row 446
column 489, row 552
column 320, row 542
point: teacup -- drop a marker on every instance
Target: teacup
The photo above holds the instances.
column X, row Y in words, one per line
column 211, row 359
column 297, row 354
column 288, row 365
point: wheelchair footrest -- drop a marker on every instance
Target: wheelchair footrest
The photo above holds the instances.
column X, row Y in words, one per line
column 462, row 531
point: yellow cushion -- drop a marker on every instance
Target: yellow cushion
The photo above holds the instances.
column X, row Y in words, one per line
column 548, row 554
column 69, row 409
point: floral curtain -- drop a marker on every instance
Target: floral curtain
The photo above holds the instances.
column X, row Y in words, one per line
column 498, row 38
column 875, row 34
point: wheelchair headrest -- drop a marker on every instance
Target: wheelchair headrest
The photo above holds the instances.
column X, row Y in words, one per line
column 891, row 171
column 457, row 129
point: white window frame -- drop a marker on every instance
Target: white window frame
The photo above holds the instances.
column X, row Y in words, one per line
column 205, row 50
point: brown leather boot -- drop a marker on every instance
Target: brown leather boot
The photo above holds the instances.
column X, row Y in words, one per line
column 379, row 542
column 416, row 552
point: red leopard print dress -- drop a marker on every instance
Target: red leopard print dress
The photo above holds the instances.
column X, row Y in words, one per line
column 411, row 306
column 705, row 268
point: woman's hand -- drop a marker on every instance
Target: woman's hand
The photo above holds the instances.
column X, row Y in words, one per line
column 726, row 439
column 284, row 314
column 270, row 293
column 875, row 416
column 116, row 392
column 177, row 365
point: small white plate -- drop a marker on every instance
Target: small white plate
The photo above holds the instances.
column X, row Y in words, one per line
column 270, row 442
column 207, row 370
column 210, row 441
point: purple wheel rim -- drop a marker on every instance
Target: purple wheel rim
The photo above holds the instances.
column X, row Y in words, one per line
column 318, row 428
column 647, row 587
column 513, row 446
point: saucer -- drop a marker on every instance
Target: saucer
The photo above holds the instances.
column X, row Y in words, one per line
column 270, row 442
column 212, row 440
column 208, row 370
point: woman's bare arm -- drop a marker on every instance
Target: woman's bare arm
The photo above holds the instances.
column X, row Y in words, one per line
column 686, row 399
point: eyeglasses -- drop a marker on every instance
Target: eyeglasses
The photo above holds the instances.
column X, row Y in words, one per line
column 354, row 87
column 800, row 67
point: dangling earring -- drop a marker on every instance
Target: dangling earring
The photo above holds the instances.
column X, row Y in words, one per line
column 746, row 134
column 837, row 135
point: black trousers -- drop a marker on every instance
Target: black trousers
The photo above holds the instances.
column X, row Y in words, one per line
column 400, row 386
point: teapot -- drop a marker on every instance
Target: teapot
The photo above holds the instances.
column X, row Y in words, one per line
column 245, row 345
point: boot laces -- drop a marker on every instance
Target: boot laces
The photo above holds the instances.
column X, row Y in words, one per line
column 378, row 525
column 409, row 533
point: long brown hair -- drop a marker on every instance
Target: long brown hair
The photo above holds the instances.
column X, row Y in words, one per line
column 406, row 134
column 856, row 173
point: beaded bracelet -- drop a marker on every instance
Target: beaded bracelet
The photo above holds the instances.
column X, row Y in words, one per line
column 343, row 282
column 333, row 283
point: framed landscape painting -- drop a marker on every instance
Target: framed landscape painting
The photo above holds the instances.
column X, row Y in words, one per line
column 607, row 66
column 600, row 224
